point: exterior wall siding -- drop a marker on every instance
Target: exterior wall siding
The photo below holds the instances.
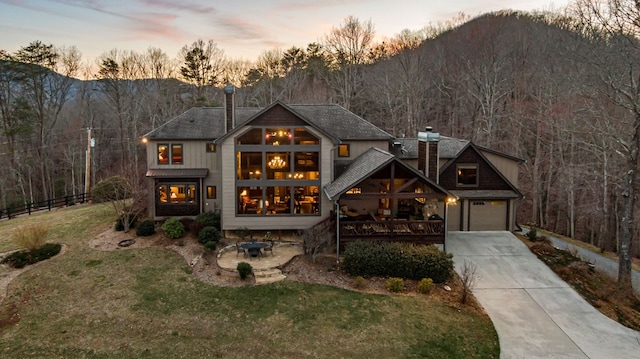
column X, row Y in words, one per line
column 488, row 179
column 507, row 166
column 194, row 156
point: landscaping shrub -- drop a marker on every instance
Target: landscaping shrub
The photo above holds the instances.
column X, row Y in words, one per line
column 401, row 260
column 23, row 258
column 31, row 236
column 209, row 234
column 205, row 219
column 360, row 282
column 244, row 269
column 173, row 228
column 532, row 234
column 211, row 245
column 395, row 285
column 209, row 219
column 425, row 285
column 146, row 228
column 111, row 189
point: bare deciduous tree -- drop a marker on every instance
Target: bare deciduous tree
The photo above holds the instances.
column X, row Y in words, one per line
column 613, row 26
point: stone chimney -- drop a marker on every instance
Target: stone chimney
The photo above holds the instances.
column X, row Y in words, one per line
column 428, row 153
column 229, row 107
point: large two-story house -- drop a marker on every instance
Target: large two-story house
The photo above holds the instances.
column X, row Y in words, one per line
column 289, row 167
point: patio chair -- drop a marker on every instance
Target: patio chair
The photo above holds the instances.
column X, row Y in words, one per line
column 269, row 248
column 240, row 250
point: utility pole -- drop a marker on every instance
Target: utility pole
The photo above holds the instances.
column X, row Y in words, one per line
column 87, row 171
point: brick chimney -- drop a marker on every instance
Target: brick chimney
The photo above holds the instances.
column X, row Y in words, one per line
column 428, row 153
column 229, row 107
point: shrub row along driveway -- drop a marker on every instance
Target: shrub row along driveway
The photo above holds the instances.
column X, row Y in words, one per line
column 536, row 314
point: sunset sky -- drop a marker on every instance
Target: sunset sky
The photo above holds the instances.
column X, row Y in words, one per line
column 242, row 28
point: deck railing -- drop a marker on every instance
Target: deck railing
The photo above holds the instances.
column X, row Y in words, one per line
column 402, row 230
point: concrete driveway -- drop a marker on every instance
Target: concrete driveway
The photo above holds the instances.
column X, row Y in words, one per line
column 536, row 314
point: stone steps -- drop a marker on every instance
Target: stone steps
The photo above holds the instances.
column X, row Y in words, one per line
column 268, row 276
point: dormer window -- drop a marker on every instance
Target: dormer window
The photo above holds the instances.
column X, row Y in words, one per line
column 467, row 175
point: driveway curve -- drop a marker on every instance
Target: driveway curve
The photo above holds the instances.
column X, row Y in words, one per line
column 536, row 314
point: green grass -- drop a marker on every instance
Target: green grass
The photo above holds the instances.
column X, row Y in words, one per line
column 144, row 303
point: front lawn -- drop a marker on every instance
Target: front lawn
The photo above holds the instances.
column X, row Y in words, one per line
column 146, row 303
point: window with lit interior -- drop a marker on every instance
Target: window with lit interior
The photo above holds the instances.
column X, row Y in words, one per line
column 279, row 174
column 467, row 175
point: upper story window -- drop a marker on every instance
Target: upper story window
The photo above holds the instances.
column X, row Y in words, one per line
column 303, row 137
column 343, row 150
column 467, row 175
column 251, row 137
column 170, row 154
column 277, row 136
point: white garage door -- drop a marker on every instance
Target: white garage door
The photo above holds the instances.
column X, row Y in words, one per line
column 488, row 215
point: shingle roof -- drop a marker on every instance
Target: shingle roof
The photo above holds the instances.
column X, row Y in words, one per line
column 341, row 123
column 199, row 123
column 209, row 123
column 366, row 165
column 362, row 167
column 449, row 147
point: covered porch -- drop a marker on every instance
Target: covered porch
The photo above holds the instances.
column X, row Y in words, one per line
column 379, row 198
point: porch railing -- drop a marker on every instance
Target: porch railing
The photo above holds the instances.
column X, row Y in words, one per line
column 430, row 230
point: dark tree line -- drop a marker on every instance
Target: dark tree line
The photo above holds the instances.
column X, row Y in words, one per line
column 559, row 90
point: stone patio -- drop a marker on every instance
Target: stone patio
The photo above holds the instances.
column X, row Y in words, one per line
column 265, row 267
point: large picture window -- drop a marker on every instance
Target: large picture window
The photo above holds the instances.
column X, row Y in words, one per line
column 177, row 193
column 278, row 172
column 177, row 197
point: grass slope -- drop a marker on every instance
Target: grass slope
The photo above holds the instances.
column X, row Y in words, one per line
column 145, row 303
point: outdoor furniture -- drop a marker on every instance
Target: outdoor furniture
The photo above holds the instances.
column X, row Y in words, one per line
column 254, row 248
column 239, row 250
column 269, row 247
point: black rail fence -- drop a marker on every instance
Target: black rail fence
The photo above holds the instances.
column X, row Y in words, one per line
column 48, row 205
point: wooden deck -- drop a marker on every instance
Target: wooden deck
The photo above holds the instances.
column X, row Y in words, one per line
column 413, row 231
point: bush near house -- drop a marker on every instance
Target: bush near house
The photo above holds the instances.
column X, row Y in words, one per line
column 401, row 260
column 173, row 228
column 425, row 285
column 395, row 285
column 205, row 219
column 244, row 269
column 146, row 228
column 209, row 234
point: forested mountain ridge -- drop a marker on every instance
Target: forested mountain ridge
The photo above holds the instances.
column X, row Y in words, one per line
column 524, row 84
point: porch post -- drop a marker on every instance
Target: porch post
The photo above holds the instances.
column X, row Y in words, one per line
column 446, row 224
column 337, row 232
